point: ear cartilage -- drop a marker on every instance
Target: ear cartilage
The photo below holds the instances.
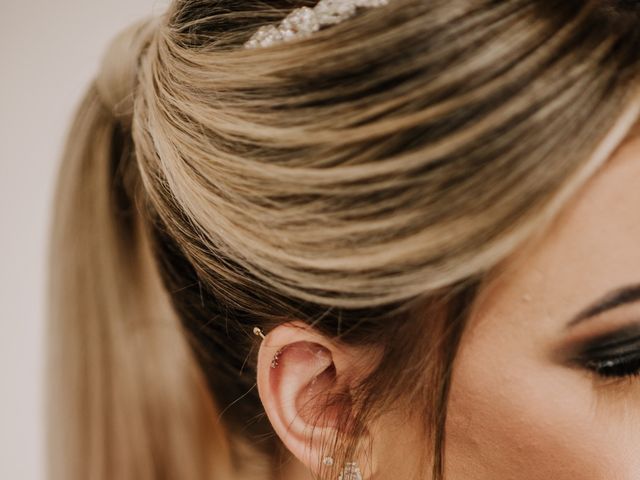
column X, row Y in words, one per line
column 274, row 362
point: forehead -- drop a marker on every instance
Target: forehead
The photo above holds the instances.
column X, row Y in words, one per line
column 591, row 248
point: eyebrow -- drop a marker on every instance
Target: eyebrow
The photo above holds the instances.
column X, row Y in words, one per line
column 613, row 299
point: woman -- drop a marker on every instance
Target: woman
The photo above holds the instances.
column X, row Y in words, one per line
column 399, row 246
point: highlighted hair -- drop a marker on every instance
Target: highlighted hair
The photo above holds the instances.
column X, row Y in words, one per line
column 366, row 180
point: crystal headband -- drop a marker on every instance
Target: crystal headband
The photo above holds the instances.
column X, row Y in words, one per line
column 303, row 21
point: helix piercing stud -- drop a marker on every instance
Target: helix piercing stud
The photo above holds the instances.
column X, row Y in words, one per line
column 258, row 331
column 274, row 362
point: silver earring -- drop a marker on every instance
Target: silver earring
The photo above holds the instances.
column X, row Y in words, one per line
column 276, row 357
column 351, row 471
column 327, row 461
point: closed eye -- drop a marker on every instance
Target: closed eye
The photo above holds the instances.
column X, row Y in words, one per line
column 625, row 366
column 614, row 354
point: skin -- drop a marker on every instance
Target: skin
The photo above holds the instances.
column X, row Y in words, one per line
column 517, row 410
column 519, row 407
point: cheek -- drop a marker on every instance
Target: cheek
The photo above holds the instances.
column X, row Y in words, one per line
column 519, row 423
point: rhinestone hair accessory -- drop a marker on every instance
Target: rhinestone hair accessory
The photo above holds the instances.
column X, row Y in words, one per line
column 303, row 21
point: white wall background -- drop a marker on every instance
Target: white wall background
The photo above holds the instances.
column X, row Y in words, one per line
column 48, row 52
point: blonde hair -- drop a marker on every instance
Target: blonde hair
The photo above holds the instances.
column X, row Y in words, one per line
column 366, row 180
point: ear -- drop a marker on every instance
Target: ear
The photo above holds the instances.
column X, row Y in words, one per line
column 303, row 382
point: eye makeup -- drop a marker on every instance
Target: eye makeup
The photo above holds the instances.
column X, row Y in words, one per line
column 613, row 354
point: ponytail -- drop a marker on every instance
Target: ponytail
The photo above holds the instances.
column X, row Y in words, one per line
column 126, row 398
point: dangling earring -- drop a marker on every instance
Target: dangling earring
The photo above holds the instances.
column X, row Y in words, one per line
column 351, row 471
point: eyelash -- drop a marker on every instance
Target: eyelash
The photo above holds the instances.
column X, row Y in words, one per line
column 616, row 367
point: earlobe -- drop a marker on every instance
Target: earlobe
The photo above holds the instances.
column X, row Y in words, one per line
column 302, row 382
